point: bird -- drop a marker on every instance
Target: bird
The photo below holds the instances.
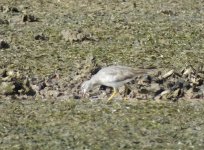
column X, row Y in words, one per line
column 113, row 76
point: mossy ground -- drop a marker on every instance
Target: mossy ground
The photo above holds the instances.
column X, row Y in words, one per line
column 135, row 33
column 163, row 34
column 101, row 125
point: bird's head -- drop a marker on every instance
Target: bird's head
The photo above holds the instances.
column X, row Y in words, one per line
column 85, row 87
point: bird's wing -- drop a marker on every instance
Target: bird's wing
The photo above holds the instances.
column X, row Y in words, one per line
column 116, row 74
column 119, row 73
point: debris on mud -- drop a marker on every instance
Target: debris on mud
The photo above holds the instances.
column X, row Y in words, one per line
column 77, row 36
column 172, row 85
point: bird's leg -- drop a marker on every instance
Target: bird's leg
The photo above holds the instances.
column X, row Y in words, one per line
column 84, row 95
column 115, row 91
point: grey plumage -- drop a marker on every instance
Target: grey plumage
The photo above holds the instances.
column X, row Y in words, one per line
column 112, row 76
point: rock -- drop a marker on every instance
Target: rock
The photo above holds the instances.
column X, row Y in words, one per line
column 168, row 12
column 201, row 88
column 186, row 85
column 41, row 37
column 198, row 95
column 53, row 93
column 156, row 89
column 29, row 18
column 27, row 88
column 158, row 97
column 7, row 88
column 168, row 74
column 3, row 44
column 76, row 97
column 143, row 90
column 17, row 19
column 4, row 21
column 178, row 93
column 14, row 10
column 165, row 92
column 162, row 95
column 6, row 9
column 195, row 89
column 177, row 85
column 170, row 84
column 3, row 73
column 187, row 71
column 146, row 79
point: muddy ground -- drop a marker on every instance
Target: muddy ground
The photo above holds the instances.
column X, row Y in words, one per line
column 47, row 49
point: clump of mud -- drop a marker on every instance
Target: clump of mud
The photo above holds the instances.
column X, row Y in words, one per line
column 4, row 44
column 172, row 85
column 14, row 84
column 77, row 35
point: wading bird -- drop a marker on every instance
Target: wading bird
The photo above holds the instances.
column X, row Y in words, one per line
column 112, row 76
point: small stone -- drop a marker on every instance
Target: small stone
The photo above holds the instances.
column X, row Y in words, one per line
column 53, row 93
column 168, row 74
